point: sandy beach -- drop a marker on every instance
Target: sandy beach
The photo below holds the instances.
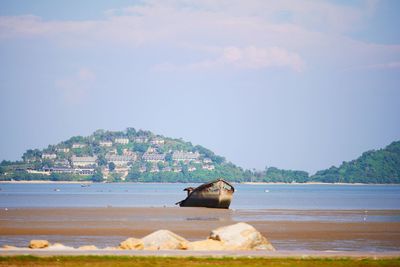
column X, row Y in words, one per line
column 108, row 226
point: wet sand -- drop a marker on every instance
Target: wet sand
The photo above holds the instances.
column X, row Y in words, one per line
column 113, row 224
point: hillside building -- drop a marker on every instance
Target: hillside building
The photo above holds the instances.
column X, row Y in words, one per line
column 105, row 143
column 83, row 161
column 62, row 149
column 153, row 157
column 78, row 145
column 121, row 160
column 49, row 156
column 185, row 156
column 208, row 167
column 141, row 139
column 122, row 141
column 157, row 141
column 207, row 160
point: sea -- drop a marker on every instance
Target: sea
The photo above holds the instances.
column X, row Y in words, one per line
column 268, row 200
column 246, row 196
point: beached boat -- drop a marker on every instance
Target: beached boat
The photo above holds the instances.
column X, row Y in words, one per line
column 216, row 194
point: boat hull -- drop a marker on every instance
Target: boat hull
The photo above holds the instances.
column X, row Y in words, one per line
column 213, row 195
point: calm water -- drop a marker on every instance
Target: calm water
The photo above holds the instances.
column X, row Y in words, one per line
column 253, row 197
column 266, row 200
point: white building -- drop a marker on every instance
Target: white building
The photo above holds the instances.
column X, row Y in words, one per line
column 78, row 145
column 157, row 141
column 62, row 149
column 62, row 163
column 167, row 169
column 141, row 139
column 207, row 160
column 85, row 171
column 122, row 141
column 105, row 143
column 154, row 169
column 83, row 161
column 49, row 156
column 185, row 156
column 121, row 160
column 153, row 157
column 177, row 169
column 191, row 169
column 208, row 167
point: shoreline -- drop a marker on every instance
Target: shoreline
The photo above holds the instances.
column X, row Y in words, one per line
column 109, row 226
column 301, row 254
column 45, row 182
column 246, row 183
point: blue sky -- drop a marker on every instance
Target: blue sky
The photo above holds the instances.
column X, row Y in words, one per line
column 292, row 84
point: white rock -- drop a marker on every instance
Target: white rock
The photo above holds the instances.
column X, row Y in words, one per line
column 164, row 239
column 131, row 243
column 241, row 236
column 35, row 244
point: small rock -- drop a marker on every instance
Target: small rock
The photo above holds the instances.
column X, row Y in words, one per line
column 8, row 247
column 241, row 236
column 131, row 243
column 88, row 247
column 164, row 239
column 35, row 244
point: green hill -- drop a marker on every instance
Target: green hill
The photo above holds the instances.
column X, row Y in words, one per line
column 142, row 156
column 130, row 155
column 375, row 166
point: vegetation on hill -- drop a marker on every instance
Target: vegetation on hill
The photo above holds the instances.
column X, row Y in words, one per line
column 141, row 156
column 130, row 155
column 375, row 166
column 273, row 174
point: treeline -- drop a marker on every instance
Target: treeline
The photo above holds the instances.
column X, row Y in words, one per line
column 375, row 166
column 228, row 171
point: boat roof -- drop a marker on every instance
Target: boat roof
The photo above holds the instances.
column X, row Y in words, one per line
column 210, row 183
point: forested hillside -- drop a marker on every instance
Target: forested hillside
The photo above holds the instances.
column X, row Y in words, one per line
column 142, row 156
column 375, row 166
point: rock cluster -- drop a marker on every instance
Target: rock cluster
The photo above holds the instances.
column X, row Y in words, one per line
column 240, row 236
column 35, row 244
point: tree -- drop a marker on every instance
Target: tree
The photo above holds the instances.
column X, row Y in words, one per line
column 111, row 166
column 130, row 131
column 97, row 176
column 140, row 147
column 102, row 160
column 168, row 158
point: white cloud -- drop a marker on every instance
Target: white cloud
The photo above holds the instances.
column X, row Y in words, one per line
column 242, row 34
column 251, row 57
column 77, row 87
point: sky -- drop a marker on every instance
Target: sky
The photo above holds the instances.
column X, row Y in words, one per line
column 292, row 84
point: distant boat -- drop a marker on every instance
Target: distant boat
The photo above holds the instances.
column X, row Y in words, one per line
column 57, row 189
column 266, row 191
column 85, row 185
column 216, row 194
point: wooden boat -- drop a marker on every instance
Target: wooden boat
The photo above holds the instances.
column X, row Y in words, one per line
column 216, row 194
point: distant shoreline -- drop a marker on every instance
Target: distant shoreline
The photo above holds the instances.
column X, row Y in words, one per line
column 309, row 183
column 248, row 183
column 45, row 182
